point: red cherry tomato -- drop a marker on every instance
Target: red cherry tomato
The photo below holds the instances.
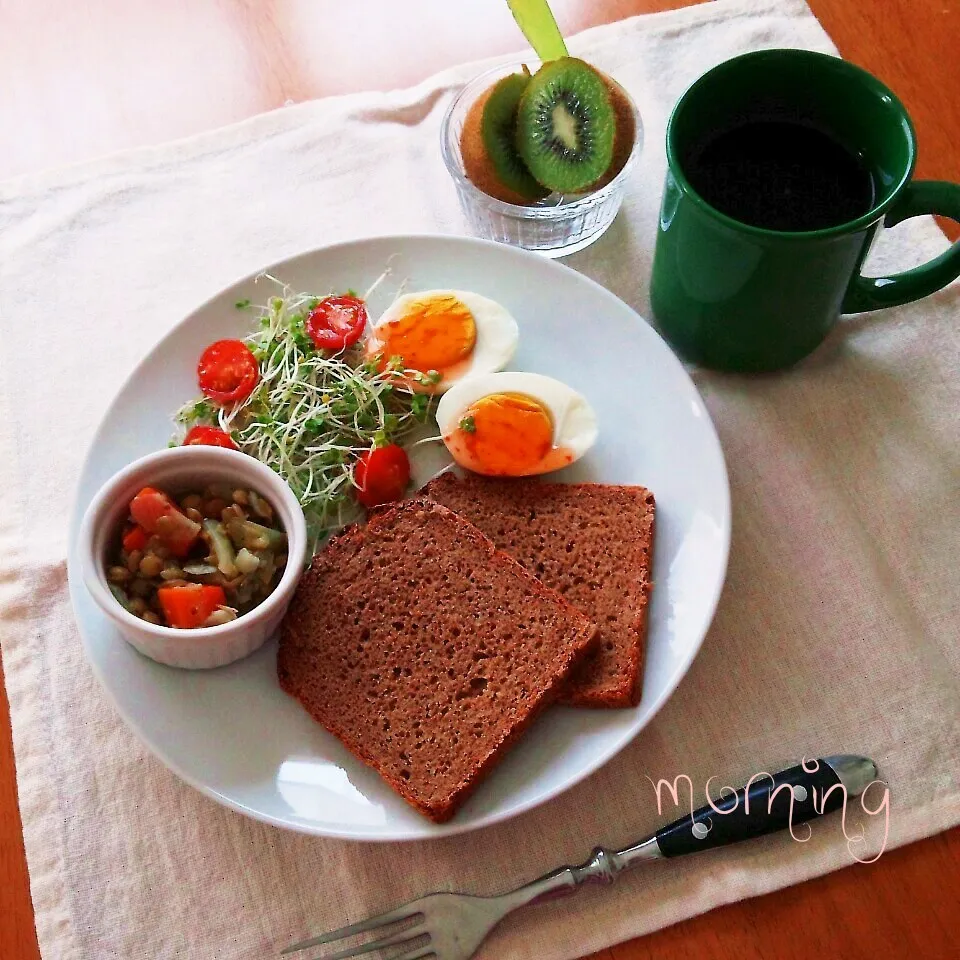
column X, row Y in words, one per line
column 227, row 371
column 209, row 437
column 336, row 322
column 382, row 475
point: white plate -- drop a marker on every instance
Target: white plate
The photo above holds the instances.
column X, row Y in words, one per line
column 232, row 732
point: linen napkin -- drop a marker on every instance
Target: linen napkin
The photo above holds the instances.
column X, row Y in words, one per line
column 836, row 632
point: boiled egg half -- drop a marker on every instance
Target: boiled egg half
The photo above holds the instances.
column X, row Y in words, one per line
column 443, row 336
column 515, row 424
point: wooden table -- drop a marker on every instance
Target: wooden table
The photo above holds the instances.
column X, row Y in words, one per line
column 78, row 80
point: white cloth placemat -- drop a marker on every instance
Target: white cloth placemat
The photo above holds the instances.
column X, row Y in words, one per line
column 837, row 630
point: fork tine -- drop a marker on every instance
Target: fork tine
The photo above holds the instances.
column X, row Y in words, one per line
column 381, row 920
column 396, row 940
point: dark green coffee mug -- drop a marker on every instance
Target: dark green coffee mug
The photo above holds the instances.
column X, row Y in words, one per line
column 759, row 286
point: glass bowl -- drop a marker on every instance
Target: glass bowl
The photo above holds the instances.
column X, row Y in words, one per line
column 555, row 226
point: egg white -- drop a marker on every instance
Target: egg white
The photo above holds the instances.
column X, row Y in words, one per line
column 497, row 332
column 574, row 420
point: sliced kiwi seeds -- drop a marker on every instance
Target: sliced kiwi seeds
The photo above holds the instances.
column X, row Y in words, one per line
column 566, row 125
column 498, row 128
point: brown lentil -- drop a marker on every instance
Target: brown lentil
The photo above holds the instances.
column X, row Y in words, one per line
column 151, row 566
column 213, row 508
column 141, row 588
column 118, row 575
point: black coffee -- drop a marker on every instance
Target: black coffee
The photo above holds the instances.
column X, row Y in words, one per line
column 781, row 176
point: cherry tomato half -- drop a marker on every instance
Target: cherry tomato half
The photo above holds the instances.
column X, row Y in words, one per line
column 227, row 371
column 382, row 475
column 209, row 437
column 336, row 322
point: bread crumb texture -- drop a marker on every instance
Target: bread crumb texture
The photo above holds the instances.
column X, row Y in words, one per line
column 590, row 542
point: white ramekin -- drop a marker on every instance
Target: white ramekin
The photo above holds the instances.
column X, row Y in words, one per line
column 178, row 469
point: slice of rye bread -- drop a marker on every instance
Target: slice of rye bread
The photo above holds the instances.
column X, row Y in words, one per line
column 426, row 651
column 593, row 543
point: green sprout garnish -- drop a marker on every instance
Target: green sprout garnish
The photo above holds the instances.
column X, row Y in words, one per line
column 197, row 412
column 420, row 407
column 242, row 304
column 468, row 425
column 314, row 413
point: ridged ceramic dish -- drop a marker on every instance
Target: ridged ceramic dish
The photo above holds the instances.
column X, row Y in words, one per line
column 177, row 469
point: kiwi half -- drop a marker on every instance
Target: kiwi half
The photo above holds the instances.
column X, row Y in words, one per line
column 566, row 125
column 488, row 144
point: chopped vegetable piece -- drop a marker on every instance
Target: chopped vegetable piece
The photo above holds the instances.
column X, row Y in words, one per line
column 120, row 596
column 336, row 322
column 209, row 437
column 260, row 506
column 157, row 514
column 227, row 371
column 219, row 616
column 247, row 562
column 190, row 605
column 221, row 548
column 255, row 536
column 135, row 538
column 382, row 475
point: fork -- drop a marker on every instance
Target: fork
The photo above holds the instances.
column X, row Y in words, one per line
column 451, row 926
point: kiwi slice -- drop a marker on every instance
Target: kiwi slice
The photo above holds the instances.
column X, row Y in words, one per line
column 488, row 144
column 623, row 139
column 566, row 125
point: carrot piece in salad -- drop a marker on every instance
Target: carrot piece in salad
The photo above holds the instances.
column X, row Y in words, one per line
column 135, row 538
column 159, row 516
column 190, row 605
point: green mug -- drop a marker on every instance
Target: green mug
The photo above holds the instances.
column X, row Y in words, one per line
column 803, row 157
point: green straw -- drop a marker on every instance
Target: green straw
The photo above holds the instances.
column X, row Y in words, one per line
column 535, row 19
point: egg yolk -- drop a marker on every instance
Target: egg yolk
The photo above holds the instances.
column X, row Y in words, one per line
column 504, row 434
column 433, row 333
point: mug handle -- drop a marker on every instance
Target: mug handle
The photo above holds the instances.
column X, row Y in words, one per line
column 874, row 293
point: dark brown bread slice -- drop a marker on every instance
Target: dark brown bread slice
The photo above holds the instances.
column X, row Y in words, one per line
column 591, row 542
column 426, row 651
